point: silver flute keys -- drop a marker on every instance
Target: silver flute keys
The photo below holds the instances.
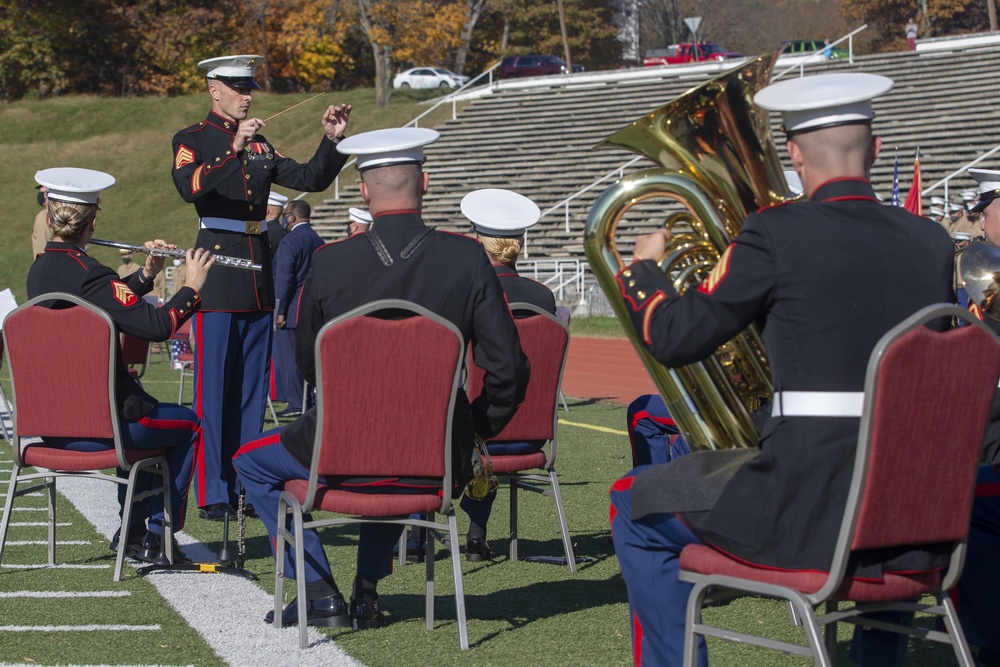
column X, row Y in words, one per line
column 224, row 260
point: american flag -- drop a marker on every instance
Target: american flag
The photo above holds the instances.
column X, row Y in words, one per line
column 895, row 180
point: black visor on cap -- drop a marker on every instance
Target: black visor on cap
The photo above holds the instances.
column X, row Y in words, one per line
column 237, row 82
column 984, row 201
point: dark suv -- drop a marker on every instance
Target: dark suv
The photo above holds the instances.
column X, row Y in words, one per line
column 535, row 65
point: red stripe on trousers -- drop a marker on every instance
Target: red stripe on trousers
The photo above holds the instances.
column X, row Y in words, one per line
column 636, row 640
column 623, row 484
column 168, row 424
column 257, row 444
column 199, row 443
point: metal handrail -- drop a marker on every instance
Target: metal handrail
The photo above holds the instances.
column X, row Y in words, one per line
column 450, row 97
column 819, row 57
column 961, row 170
column 617, row 171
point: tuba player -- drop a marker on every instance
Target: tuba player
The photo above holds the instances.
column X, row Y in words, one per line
column 803, row 271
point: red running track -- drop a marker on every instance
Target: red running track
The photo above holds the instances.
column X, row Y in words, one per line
column 605, row 368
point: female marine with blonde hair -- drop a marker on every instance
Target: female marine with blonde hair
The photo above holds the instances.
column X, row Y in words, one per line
column 65, row 266
column 500, row 218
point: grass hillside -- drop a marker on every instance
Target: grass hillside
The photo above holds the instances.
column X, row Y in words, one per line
column 130, row 139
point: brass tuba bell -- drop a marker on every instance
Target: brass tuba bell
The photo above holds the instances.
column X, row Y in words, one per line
column 719, row 161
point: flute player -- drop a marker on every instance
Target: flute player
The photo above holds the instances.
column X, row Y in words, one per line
column 65, row 266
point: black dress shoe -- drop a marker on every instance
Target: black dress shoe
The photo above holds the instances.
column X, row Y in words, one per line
column 149, row 549
column 328, row 612
column 217, row 512
column 366, row 614
column 288, row 413
column 476, row 550
column 132, row 540
column 249, row 511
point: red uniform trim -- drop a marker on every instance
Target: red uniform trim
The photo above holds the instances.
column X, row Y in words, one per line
column 636, row 640
column 989, row 490
column 168, row 424
column 623, row 484
column 776, row 204
column 654, row 301
column 850, row 198
column 266, row 441
column 400, row 212
column 199, row 442
column 642, row 414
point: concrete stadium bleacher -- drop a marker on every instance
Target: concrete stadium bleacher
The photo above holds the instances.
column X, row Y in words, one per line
column 538, row 140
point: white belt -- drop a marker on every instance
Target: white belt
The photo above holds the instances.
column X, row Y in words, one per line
column 229, row 225
column 818, row 404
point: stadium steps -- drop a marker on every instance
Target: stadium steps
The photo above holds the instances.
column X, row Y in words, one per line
column 539, row 141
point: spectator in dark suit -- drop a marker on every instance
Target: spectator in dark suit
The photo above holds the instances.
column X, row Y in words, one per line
column 291, row 264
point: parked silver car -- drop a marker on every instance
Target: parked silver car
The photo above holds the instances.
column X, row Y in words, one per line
column 429, row 77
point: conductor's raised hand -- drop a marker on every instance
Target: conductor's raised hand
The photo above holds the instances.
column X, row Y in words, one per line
column 246, row 131
column 651, row 246
column 199, row 261
column 335, row 121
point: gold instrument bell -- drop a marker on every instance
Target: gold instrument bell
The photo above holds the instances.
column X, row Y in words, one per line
column 979, row 267
column 719, row 161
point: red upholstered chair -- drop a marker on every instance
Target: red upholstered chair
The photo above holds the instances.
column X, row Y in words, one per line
column 62, row 374
column 927, row 400
column 413, row 365
column 8, row 413
column 545, row 341
column 135, row 352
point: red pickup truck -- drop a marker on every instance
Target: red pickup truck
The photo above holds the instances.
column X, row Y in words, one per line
column 677, row 54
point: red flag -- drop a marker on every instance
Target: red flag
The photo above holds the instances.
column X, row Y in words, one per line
column 914, row 204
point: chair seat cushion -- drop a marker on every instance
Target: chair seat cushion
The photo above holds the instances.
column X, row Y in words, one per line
column 514, row 448
column 365, row 503
column 702, row 559
column 508, row 464
column 57, row 458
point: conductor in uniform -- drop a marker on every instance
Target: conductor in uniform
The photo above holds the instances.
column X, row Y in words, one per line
column 225, row 168
column 803, row 271
column 400, row 257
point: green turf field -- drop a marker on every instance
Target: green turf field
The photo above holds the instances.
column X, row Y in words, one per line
column 554, row 617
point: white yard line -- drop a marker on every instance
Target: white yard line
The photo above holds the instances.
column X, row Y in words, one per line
column 79, row 628
column 42, row 543
column 227, row 611
column 36, row 664
column 66, row 594
column 36, row 524
column 59, row 566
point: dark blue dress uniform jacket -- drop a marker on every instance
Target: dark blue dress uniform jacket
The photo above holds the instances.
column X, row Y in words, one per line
column 448, row 274
column 824, row 279
column 291, row 266
column 221, row 184
column 519, row 289
column 65, row 268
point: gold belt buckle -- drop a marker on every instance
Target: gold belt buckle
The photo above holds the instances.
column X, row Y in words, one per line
column 253, row 227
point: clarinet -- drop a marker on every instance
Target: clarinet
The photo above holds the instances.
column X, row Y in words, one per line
column 225, row 260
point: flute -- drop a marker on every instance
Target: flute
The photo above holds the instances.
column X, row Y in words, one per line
column 225, row 260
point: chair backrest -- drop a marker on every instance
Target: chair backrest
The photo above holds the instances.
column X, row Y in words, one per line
column 62, row 369
column 386, row 394
column 545, row 341
column 135, row 351
column 927, row 401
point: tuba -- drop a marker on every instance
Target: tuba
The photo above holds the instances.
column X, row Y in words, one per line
column 979, row 271
column 719, row 162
